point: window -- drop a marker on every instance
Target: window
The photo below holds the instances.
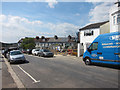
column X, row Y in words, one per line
column 114, row 20
column 94, row 46
column 118, row 18
column 88, row 33
column 15, row 53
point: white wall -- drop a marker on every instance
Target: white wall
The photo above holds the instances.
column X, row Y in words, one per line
column 114, row 12
column 88, row 39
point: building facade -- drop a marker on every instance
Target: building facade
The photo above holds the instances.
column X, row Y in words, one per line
column 115, row 17
column 89, row 33
column 105, row 28
column 53, row 43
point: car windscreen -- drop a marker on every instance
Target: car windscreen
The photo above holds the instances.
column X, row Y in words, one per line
column 46, row 51
column 37, row 50
column 15, row 53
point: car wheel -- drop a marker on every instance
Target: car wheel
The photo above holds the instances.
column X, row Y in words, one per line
column 10, row 62
column 39, row 55
column 87, row 61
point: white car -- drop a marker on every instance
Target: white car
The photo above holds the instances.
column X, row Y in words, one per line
column 16, row 56
column 33, row 51
column 36, row 52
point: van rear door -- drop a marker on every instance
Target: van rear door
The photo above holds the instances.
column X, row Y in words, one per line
column 117, row 51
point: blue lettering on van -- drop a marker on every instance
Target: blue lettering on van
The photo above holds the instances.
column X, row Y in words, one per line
column 115, row 37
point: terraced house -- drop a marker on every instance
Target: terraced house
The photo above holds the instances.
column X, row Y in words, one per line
column 54, row 42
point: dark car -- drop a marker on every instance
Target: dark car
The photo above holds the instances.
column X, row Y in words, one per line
column 24, row 51
column 6, row 51
column 45, row 53
column 29, row 51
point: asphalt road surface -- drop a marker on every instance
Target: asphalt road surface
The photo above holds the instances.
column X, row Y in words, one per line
column 0, row 73
column 64, row 72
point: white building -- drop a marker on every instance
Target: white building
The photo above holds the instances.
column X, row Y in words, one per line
column 115, row 17
column 89, row 33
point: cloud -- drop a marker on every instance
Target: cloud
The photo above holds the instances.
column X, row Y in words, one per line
column 100, row 12
column 77, row 14
column 15, row 27
column 64, row 29
column 51, row 3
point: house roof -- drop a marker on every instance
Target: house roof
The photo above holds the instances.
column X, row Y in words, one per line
column 52, row 40
column 93, row 26
column 118, row 3
column 58, row 40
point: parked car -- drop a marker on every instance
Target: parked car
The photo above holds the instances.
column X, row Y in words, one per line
column 3, row 52
column 34, row 51
column 45, row 53
column 16, row 56
column 24, row 51
column 29, row 51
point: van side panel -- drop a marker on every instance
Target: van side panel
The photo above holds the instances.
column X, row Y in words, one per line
column 109, row 47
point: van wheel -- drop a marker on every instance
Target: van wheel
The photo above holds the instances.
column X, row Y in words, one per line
column 87, row 61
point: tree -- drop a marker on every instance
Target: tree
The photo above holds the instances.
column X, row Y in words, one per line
column 28, row 43
column 56, row 37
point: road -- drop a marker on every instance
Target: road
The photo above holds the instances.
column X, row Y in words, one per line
column 0, row 73
column 64, row 72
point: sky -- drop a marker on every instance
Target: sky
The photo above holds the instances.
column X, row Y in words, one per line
column 35, row 18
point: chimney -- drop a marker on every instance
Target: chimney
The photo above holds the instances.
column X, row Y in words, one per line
column 118, row 3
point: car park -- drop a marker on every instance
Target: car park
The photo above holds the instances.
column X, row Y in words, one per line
column 16, row 56
column 45, row 53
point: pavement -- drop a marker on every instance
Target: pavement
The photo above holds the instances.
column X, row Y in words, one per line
column 6, row 80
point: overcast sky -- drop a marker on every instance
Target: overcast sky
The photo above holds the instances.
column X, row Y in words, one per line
column 49, row 18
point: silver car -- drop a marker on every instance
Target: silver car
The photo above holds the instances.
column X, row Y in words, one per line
column 16, row 56
column 45, row 53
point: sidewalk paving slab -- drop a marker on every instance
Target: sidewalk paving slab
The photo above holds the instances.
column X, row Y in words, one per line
column 7, row 80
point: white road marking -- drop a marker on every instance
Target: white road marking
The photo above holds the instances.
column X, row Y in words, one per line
column 35, row 81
